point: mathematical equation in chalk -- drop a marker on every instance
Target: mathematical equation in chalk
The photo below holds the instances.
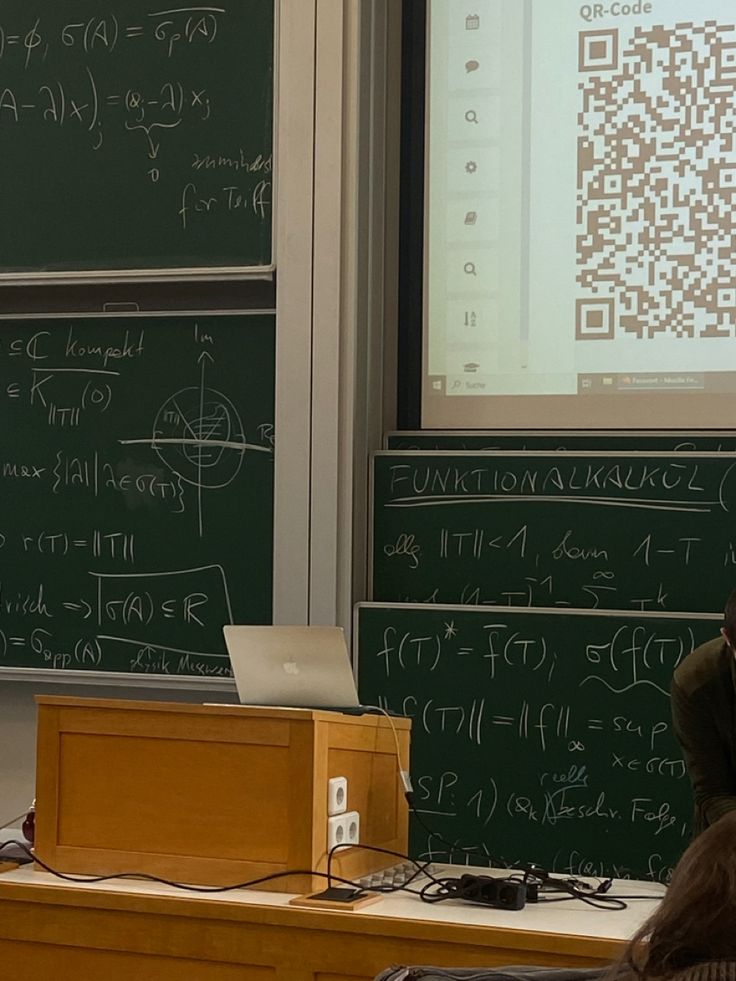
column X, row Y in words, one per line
column 584, row 533
column 41, row 96
column 618, row 657
column 169, row 30
column 137, row 485
column 127, row 618
column 538, row 734
column 139, row 81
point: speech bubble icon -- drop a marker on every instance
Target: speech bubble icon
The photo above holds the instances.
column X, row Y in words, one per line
column 471, row 66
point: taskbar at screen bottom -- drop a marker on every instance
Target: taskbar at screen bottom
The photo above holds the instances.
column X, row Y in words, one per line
column 598, row 383
column 652, row 400
column 631, row 383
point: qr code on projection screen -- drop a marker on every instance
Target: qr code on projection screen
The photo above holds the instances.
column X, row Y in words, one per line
column 656, row 179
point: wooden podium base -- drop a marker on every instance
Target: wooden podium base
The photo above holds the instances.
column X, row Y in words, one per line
column 212, row 795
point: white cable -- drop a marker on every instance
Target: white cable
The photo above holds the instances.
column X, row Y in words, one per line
column 403, row 774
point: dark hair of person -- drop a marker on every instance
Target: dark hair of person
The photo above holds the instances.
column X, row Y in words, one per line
column 729, row 617
column 696, row 921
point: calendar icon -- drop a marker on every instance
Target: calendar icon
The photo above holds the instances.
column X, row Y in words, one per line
column 472, row 22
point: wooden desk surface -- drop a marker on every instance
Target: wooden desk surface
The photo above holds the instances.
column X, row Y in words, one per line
column 126, row 930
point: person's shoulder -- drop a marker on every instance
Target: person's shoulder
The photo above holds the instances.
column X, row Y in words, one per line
column 708, row 663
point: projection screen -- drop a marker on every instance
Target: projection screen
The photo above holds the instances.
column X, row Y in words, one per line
column 579, row 245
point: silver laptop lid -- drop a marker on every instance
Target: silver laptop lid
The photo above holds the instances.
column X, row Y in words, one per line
column 306, row 667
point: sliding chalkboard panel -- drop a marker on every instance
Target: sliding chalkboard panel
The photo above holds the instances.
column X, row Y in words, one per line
column 525, row 439
column 647, row 531
column 136, row 474
column 136, row 135
column 538, row 735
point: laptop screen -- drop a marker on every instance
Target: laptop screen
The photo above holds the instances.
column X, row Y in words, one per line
column 304, row 667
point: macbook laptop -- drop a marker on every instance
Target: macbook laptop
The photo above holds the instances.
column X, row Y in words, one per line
column 292, row 667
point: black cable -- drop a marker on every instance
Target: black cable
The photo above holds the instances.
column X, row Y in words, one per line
column 447, row 888
column 421, row 868
column 597, row 902
column 452, row 846
column 595, row 896
column 444, row 892
column 493, row 891
column 452, row 888
column 573, row 888
column 91, row 879
column 489, row 891
column 584, row 888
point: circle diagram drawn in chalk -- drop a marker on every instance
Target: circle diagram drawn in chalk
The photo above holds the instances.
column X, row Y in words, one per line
column 199, row 435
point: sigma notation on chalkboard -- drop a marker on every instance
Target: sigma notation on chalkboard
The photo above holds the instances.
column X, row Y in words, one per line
column 643, row 531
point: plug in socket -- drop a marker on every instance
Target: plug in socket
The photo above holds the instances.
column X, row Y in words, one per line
column 352, row 827
column 337, row 831
column 337, row 795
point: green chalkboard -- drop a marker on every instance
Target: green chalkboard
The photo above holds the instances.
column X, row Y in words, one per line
column 538, row 735
column 136, row 135
column 644, row 531
column 136, row 476
column 564, row 439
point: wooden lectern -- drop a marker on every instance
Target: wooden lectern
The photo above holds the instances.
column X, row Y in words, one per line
column 212, row 794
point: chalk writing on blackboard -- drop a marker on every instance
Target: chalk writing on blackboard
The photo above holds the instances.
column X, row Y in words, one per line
column 137, row 474
column 153, row 124
column 538, row 735
column 584, row 530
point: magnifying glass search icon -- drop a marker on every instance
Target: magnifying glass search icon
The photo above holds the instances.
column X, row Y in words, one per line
column 471, row 116
column 469, row 268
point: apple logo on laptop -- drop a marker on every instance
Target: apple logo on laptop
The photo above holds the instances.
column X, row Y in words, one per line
column 291, row 667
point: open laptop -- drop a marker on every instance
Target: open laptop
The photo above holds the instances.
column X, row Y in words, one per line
column 292, row 667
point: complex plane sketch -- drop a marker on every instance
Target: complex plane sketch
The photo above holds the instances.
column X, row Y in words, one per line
column 198, row 434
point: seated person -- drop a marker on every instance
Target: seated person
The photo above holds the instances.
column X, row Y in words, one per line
column 690, row 937
column 692, row 934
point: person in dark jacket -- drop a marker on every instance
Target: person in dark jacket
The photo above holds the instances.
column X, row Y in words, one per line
column 692, row 934
column 703, row 695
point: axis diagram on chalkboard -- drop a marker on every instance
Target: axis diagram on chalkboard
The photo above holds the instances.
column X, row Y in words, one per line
column 198, row 435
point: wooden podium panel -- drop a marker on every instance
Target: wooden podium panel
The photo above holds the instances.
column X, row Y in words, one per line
column 211, row 794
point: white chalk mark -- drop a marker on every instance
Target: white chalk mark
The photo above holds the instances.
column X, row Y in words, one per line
column 634, row 502
column 620, row 691
column 176, row 441
column 721, row 497
column 199, row 454
column 79, row 371
column 189, row 10
column 159, row 647
column 156, row 575
column 448, row 814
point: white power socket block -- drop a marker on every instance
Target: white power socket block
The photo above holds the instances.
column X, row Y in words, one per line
column 352, row 827
column 337, row 795
column 337, row 831
column 343, row 829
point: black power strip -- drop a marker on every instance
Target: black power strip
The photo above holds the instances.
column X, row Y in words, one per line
column 488, row 890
